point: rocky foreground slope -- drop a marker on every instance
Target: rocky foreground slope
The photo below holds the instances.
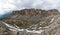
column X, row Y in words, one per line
column 32, row 19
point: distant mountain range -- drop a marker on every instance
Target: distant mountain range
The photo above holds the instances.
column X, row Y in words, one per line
column 4, row 14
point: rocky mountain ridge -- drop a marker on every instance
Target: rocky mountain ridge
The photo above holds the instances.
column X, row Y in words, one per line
column 36, row 11
column 29, row 17
column 32, row 19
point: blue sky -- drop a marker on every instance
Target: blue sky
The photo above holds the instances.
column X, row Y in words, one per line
column 7, row 5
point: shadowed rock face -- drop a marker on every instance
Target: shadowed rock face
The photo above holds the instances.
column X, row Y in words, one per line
column 28, row 18
column 53, row 12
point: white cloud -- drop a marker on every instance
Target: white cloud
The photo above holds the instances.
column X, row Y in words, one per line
column 44, row 4
column 19, row 4
column 6, row 6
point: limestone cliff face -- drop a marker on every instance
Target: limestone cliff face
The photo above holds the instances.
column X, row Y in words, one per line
column 36, row 11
